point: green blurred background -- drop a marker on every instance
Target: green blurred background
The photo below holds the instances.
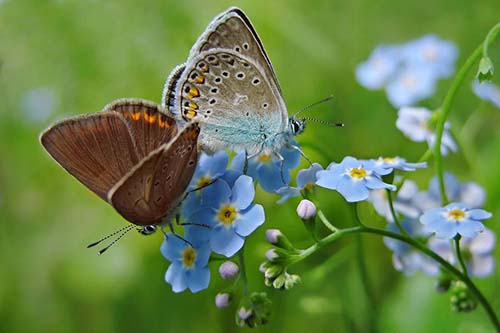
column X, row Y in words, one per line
column 67, row 57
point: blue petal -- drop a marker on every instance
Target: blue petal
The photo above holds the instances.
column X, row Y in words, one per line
column 197, row 234
column 291, row 156
column 238, row 163
column 328, row 179
column 447, row 230
column 375, row 183
column 308, row 176
column 176, row 277
column 198, row 279
column 214, row 165
column 352, row 191
column 287, row 193
column 230, row 177
column 470, row 228
column 350, row 162
column 479, row 214
column 215, row 193
column 243, row 192
column 269, row 176
column 225, row 241
column 450, row 183
column 432, row 215
column 172, row 248
column 204, row 216
column 202, row 254
column 249, row 220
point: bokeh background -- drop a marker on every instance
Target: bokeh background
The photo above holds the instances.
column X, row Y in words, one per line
column 66, row 57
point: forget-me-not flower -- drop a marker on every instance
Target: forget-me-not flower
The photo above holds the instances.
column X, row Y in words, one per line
column 411, row 85
column 230, row 217
column 415, row 123
column 383, row 62
column 269, row 170
column 306, row 179
column 398, row 163
column 455, row 218
column 352, row 178
column 433, row 53
column 403, row 202
column 487, row 91
column 189, row 263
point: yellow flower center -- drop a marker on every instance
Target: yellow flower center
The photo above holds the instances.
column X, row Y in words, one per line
column 188, row 257
column 390, row 160
column 203, row 181
column 265, row 158
column 227, row 214
column 456, row 214
column 358, row 173
column 309, row 186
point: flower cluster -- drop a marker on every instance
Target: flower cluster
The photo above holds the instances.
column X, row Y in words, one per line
column 218, row 214
column 408, row 72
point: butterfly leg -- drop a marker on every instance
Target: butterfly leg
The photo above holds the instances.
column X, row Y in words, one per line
column 301, row 153
column 282, row 167
column 172, row 232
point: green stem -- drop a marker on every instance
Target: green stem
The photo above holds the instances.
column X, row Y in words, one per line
column 445, row 108
column 456, row 240
column 393, row 213
column 243, row 272
column 325, row 221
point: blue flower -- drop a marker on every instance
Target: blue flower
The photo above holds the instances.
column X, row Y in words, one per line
column 267, row 169
column 397, row 163
column 411, row 85
column 487, row 91
column 379, row 68
column 415, row 123
column 469, row 193
column 433, row 53
column 231, row 216
column 453, row 219
column 352, row 178
column 306, row 179
column 405, row 258
column 189, row 264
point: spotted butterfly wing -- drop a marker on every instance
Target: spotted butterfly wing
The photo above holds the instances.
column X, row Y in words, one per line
column 229, row 87
column 153, row 189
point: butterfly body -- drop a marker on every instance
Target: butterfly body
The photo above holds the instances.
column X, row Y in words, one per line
column 229, row 87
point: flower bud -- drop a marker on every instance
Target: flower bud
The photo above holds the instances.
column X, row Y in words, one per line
column 228, row 270
column 307, row 212
column 222, row 300
column 462, row 300
column 306, row 209
column 443, row 282
column 275, row 237
column 254, row 311
column 486, row 69
column 271, row 254
column 291, row 280
column 279, row 282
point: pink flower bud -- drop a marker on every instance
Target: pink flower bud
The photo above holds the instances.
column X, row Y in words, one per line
column 306, row 209
column 228, row 270
column 222, row 300
column 272, row 235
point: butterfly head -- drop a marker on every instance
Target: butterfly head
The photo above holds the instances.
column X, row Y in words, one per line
column 297, row 125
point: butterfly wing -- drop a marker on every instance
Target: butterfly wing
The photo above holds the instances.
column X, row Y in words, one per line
column 149, row 126
column 96, row 149
column 153, row 189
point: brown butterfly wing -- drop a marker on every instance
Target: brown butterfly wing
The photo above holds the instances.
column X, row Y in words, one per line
column 153, row 189
column 150, row 128
column 97, row 149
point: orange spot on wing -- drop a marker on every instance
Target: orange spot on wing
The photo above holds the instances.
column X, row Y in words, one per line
column 200, row 79
column 150, row 118
column 193, row 92
column 136, row 115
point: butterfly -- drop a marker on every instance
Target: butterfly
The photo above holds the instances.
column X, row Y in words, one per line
column 229, row 87
column 132, row 155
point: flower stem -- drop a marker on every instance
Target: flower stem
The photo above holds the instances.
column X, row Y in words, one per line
column 445, row 108
column 243, row 272
column 325, row 221
column 456, row 240
column 394, row 216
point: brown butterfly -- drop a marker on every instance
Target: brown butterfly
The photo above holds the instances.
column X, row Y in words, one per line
column 130, row 154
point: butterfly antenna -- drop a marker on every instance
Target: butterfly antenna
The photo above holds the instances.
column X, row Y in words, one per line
column 324, row 122
column 130, row 226
column 114, row 241
column 326, row 99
